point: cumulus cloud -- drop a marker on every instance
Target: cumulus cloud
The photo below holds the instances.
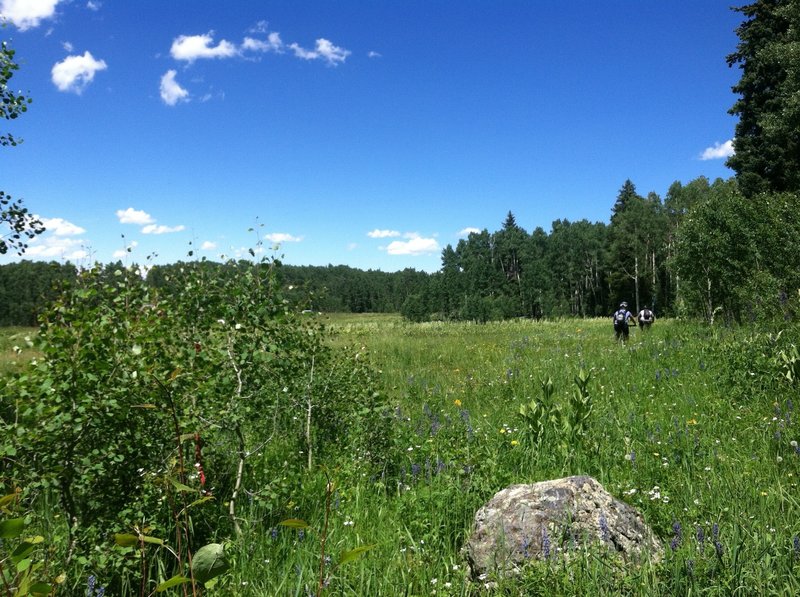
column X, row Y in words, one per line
column 468, row 230
column 74, row 73
column 283, row 237
column 58, row 247
column 208, row 246
column 383, row 233
column 161, row 229
column 273, row 43
column 134, row 216
column 416, row 245
column 61, row 227
column 374, row 54
column 718, row 151
column 26, row 14
column 191, row 47
column 93, row 5
column 324, row 50
column 171, row 92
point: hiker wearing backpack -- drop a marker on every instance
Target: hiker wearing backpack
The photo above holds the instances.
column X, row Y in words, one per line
column 621, row 318
column 646, row 318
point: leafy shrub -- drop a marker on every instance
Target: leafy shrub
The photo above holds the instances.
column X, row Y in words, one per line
column 149, row 405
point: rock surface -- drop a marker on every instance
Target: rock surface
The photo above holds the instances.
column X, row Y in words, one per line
column 552, row 519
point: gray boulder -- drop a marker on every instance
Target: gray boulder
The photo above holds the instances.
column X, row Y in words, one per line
column 555, row 519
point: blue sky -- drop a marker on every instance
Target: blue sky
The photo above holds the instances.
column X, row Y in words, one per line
column 370, row 134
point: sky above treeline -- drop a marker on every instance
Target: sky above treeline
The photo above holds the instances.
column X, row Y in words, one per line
column 371, row 134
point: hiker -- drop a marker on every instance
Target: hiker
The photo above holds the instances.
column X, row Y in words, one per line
column 621, row 318
column 646, row 318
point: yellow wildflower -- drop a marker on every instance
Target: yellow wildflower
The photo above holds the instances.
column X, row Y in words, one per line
column 457, row 402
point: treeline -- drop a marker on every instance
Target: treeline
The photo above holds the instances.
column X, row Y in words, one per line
column 702, row 251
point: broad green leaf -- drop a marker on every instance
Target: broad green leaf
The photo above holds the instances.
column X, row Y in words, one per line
column 180, row 486
column 11, row 528
column 151, row 540
column 125, row 539
column 7, row 500
column 209, row 562
column 172, row 582
column 294, row 523
column 23, row 565
column 354, row 554
column 40, row 588
column 22, row 551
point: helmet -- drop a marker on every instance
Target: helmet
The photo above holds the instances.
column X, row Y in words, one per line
column 623, row 305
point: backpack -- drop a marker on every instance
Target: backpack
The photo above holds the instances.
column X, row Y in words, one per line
column 620, row 317
column 647, row 316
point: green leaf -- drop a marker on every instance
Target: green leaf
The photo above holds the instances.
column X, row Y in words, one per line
column 354, row 554
column 40, row 588
column 11, row 528
column 125, row 539
column 294, row 523
column 22, row 551
column 180, row 486
column 172, row 582
column 209, row 562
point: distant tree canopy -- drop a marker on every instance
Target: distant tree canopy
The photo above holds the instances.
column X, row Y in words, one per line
column 767, row 139
column 704, row 251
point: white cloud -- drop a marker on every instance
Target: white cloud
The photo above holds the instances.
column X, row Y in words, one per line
column 171, row 92
column 383, row 233
column 134, row 216
column 208, row 246
column 74, row 73
column 718, row 151
column 61, row 227
column 273, row 43
column 68, row 46
column 161, row 229
column 94, row 5
column 56, row 246
column 468, row 230
column 323, row 50
column 26, row 14
column 192, row 47
column 260, row 27
column 282, row 237
column 413, row 246
column 374, row 54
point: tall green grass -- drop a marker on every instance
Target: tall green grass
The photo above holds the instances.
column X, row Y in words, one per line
column 713, row 473
column 691, row 426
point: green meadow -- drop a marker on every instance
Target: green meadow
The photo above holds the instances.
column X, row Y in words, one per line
column 682, row 427
column 694, row 426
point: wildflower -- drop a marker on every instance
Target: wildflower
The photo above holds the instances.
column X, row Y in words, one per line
column 604, row 534
column 514, row 442
column 691, row 422
column 796, row 546
column 457, row 402
column 348, row 523
column 545, row 543
column 701, row 537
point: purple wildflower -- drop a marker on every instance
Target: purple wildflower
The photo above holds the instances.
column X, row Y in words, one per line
column 604, row 533
column 545, row 544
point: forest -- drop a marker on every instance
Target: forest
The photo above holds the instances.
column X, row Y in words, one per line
column 703, row 251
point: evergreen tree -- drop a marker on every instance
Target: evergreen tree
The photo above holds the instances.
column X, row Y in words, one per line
column 767, row 140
